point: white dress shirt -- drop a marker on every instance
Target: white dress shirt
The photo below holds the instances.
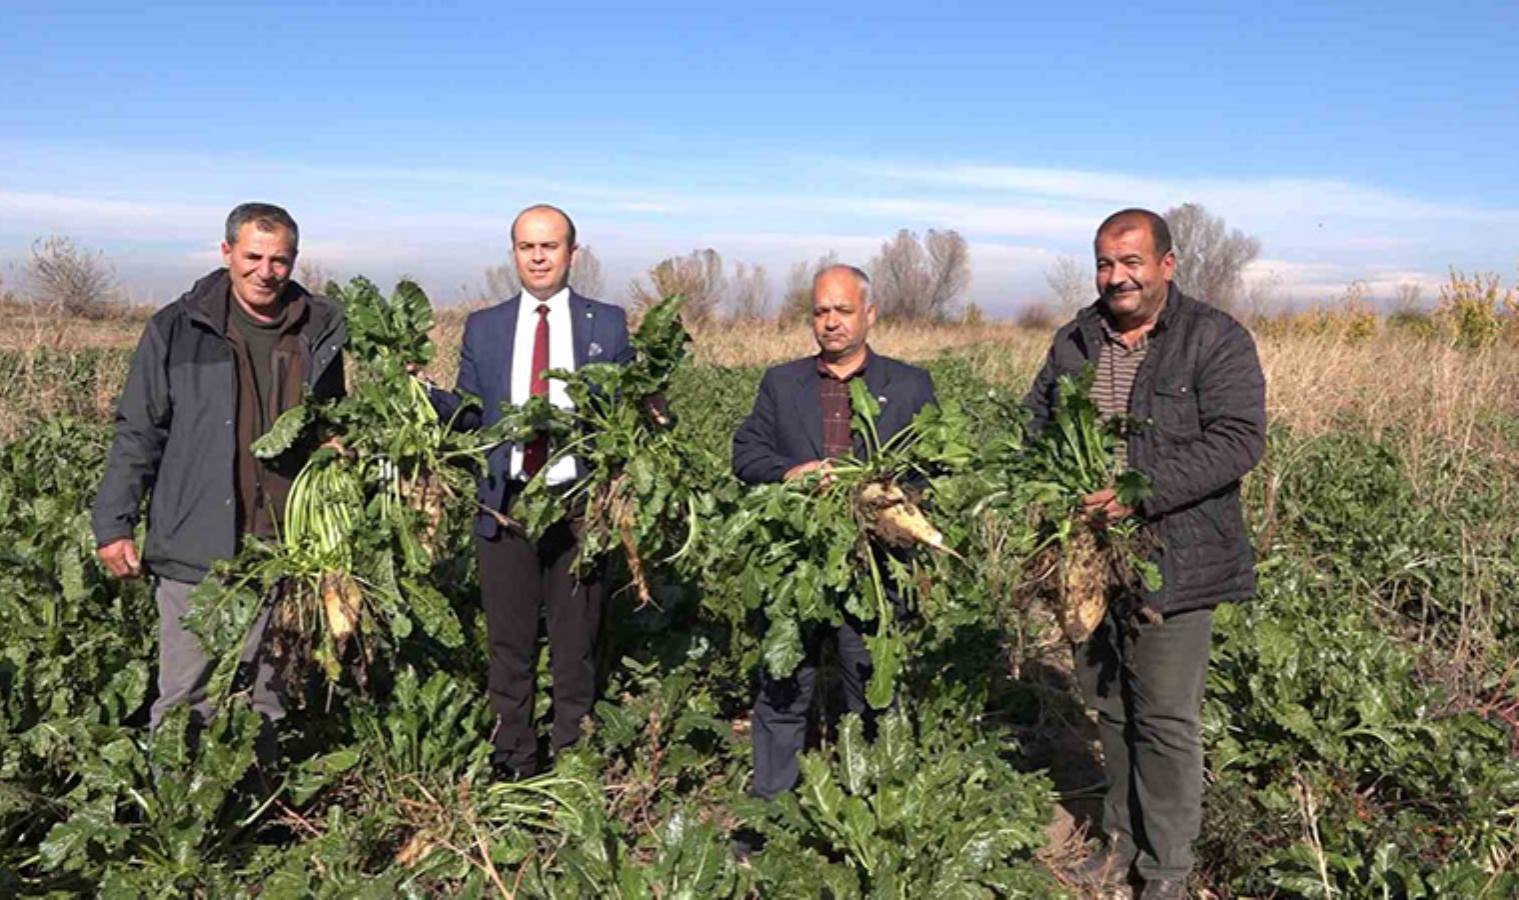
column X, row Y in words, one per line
column 561, row 356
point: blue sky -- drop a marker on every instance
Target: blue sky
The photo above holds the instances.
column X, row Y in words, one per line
column 1358, row 141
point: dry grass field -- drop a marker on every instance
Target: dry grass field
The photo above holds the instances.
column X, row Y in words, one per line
column 1327, row 371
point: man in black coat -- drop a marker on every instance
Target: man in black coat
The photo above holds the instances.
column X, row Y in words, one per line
column 212, row 372
column 1189, row 374
column 801, row 420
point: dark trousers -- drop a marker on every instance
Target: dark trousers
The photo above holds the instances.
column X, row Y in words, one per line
column 518, row 578
column 1146, row 683
column 779, row 722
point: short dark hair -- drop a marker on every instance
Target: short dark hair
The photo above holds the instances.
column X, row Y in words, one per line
column 264, row 216
column 1134, row 217
column 540, row 207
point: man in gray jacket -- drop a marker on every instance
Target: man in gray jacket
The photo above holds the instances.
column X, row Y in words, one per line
column 1188, row 373
column 212, row 372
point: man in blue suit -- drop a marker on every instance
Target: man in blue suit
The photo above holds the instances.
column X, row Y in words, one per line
column 506, row 348
column 801, row 420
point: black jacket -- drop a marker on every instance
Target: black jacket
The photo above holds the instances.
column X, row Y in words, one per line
column 176, row 433
column 785, row 429
column 1201, row 397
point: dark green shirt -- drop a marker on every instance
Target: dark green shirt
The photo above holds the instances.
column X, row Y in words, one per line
column 260, row 337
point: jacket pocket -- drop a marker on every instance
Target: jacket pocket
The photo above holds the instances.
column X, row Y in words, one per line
column 1175, row 410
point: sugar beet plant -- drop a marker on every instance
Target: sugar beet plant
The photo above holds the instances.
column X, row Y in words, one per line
column 839, row 541
column 1345, row 759
column 646, row 487
column 1075, row 564
column 364, row 519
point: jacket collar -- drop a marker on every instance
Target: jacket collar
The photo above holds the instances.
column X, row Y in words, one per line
column 1089, row 318
column 209, row 301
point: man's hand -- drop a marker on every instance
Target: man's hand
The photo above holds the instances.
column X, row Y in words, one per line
column 1102, row 508
column 817, row 465
column 120, row 558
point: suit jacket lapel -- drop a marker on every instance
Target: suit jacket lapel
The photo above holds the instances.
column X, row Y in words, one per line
column 582, row 317
column 510, row 310
column 809, row 406
column 878, row 380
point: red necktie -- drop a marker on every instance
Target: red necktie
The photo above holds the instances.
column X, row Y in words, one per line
column 537, row 450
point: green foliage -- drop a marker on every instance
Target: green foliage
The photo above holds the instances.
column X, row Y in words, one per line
column 806, row 553
column 939, row 812
column 74, row 643
column 1346, row 744
column 647, row 486
column 388, row 335
column 364, row 522
column 154, row 816
column 1358, row 717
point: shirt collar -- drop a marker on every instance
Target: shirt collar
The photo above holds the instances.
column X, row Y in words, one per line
column 1114, row 336
column 557, row 302
column 825, row 373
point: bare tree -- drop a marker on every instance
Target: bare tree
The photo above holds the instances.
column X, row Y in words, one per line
column 920, row 281
column 502, row 281
column 796, row 301
column 950, row 257
column 748, row 293
column 900, row 277
column 315, row 277
column 586, row 277
column 698, row 276
column 71, row 279
column 1407, row 299
column 585, row 273
column 1261, row 299
column 1210, row 259
column 1071, row 283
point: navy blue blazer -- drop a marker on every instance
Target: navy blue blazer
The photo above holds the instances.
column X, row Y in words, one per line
column 786, row 427
column 485, row 370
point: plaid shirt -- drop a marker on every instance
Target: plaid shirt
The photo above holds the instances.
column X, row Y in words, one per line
column 833, row 392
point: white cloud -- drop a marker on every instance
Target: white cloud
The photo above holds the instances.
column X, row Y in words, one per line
column 1264, row 197
column 39, row 211
column 1297, row 283
column 154, row 212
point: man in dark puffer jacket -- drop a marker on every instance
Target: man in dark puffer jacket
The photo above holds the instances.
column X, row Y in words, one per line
column 1190, row 375
column 212, row 372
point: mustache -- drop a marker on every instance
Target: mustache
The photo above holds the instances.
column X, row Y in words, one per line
column 1119, row 288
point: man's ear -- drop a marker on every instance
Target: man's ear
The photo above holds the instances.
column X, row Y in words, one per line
column 1168, row 264
column 226, row 253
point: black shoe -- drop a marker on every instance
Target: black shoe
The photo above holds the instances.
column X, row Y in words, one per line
column 746, row 843
column 1104, row 866
column 1164, row 889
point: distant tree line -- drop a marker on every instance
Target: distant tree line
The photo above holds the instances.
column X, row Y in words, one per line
column 913, row 278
